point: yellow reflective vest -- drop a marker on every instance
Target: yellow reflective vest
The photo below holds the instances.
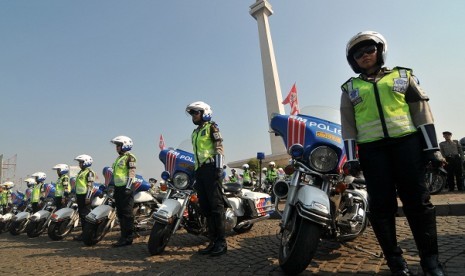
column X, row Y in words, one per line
column 203, row 144
column 380, row 108
column 82, row 181
column 121, row 169
column 62, row 185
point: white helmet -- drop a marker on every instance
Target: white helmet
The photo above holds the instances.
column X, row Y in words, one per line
column 85, row 159
column 30, row 182
column 61, row 168
column 245, row 166
column 202, row 107
column 39, row 176
column 124, row 141
column 363, row 39
column 264, row 170
column 8, row 184
column 272, row 163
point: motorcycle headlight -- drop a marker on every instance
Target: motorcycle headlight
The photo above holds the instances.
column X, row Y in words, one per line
column 323, row 159
column 181, row 180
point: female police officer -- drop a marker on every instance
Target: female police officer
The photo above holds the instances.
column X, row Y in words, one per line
column 386, row 114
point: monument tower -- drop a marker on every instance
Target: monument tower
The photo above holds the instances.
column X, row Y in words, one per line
column 261, row 10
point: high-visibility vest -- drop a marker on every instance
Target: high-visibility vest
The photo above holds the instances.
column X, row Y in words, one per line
column 203, row 144
column 81, row 181
column 121, row 169
column 380, row 108
column 62, row 185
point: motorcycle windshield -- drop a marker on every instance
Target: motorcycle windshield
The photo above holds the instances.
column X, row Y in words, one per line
column 312, row 127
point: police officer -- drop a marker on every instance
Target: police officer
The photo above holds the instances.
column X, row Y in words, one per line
column 62, row 187
column 37, row 190
column 271, row 173
column 30, row 183
column 386, row 113
column 124, row 175
column 453, row 152
column 246, row 176
column 233, row 178
column 208, row 152
column 84, row 182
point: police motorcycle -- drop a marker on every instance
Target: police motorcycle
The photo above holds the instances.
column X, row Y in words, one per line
column 18, row 203
column 103, row 218
column 38, row 222
column 321, row 203
column 21, row 219
column 181, row 207
column 63, row 221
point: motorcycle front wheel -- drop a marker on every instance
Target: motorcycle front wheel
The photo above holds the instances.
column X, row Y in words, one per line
column 35, row 228
column 93, row 233
column 435, row 182
column 18, row 226
column 159, row 237
column 57, row 230
column 299, row 242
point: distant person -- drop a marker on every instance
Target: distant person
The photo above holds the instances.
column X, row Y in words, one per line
column 386, row 114
column 207, row 144
column 453, row 152
column 62, row 186
column 233, row 178
column 84, row 184
column 246, row 176
column 124, row 175
column 38, row 190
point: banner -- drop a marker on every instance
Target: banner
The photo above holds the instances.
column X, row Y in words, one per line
column 161, row 144
column 292, row 100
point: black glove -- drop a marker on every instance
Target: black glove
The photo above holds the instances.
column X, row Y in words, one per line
column 430, row 156
column 127, row 191
column 219, row 174
column 352, row 167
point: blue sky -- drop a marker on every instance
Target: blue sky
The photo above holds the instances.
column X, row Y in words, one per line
column 75, row 74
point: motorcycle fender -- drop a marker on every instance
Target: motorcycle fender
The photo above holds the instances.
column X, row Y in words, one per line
column 143, row 197
column 63, row 213
column 314, row 199
column 168, row 208
column 7, row 216
column 236, row 204
column 22, row 215
column 97, row 201
column 40, row 214
column 99, row 212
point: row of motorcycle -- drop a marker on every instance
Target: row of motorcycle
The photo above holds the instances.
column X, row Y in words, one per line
column 20, row 217
column 318, row 201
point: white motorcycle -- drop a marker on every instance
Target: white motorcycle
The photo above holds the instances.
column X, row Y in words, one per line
column 66, row 219
column 182, row 208
column 39, row 221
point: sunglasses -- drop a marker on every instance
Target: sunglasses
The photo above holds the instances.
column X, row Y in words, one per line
column 194, row 112
column 365, row 50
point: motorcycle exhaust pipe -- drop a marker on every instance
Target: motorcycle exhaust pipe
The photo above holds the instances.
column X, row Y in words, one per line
column 280, row 189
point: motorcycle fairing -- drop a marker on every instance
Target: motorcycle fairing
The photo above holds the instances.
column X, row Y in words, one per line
column 168, row 209
column 178, row 160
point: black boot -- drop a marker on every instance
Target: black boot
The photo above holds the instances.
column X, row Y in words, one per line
column 220, row 243
column 385, row 231
column 211, row 235
column 423, row 226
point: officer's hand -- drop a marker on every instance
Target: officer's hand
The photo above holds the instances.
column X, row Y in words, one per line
column 432, row 156
column 219, row 174
column 352, row 167
column 127, row 191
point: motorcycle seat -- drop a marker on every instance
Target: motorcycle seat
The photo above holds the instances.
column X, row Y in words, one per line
column 232, row 187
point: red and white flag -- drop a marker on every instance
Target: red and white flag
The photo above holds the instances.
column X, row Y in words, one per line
column 161, row 144
column 292, row 100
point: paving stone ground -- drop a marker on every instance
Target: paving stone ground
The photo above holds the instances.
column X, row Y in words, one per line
column 252, row 253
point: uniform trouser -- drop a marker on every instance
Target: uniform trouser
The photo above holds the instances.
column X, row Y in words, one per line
column 211, row 202
column 396, row 167
column 35, row 207
column 124, row 202
column 83, row 208
column 58, row 200
column 454, row 172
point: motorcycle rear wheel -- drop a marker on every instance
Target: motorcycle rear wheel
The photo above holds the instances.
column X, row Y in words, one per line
column 17, row 227
column 159, row 237
column 93, row 233
column 299, row 243
column 35, row 228
column 57, row 230
column 435, row 182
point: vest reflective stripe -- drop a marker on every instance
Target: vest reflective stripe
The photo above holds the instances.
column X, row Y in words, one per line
column 391, row 90
column 81, row 181
column 121, row 170
column 202, row 143
column 35, row 197
column 60, row 188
